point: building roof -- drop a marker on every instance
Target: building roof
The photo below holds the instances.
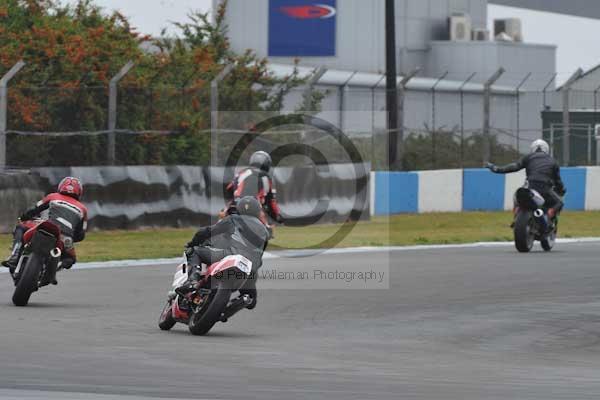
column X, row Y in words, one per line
column 371, row 81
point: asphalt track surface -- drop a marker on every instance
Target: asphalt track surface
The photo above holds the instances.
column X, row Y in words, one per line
column 481, row 323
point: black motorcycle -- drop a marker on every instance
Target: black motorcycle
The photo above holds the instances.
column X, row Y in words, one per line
column 532, row 222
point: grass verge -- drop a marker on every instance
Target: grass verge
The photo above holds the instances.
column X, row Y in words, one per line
column 400, row 230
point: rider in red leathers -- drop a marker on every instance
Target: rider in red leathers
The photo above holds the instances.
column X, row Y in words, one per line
column 63, row 209
column 256, row 181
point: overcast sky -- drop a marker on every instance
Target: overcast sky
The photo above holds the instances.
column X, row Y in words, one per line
column 577, row 38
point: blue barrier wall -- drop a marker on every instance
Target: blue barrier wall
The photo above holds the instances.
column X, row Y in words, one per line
column 398, row 192
column 575, row 182
column 482, row 190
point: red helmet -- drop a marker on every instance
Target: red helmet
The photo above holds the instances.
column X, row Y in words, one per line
column 70, row 186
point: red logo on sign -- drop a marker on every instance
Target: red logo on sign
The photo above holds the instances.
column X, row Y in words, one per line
column 318, row 11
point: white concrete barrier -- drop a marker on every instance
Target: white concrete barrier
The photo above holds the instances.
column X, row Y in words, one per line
column 511, row 184
column 592, row 184
column 440, row 191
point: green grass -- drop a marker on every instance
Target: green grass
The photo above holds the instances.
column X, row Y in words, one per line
column 401, row 230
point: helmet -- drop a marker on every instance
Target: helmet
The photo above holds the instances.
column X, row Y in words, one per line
column 249, row 206
column 70, row 186
column 261, row 160
column 540, row 146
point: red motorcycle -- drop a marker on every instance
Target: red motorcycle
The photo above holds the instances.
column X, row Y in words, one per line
column 39, row 261
column 211, row 301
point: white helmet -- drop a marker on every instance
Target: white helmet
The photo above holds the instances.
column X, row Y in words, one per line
column 540, row 145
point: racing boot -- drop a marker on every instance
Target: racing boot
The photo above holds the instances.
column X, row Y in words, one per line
column 13, row 260
column 191, row 284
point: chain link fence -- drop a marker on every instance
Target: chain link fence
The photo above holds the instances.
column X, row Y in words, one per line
column 442, row 127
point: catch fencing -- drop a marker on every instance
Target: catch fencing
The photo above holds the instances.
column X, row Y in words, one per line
column 450, row 122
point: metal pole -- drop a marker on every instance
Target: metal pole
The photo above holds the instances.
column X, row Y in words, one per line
column 4, row 109
column 433, row 122
column 462, row 117
column 343, row 90
column 401, row 97
column 589, row 145
column 566, row 92
column 519, row 111
column 392, row 83
column 112, row 111
column 486, row 113
column 373, row 130
column 546, row 88
column 214, row 112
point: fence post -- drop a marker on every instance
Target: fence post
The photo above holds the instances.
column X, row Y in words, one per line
column 401, row 97
column 373, row 132
column 112, row 111
column 546, row 88
column 462, row 117
column 342, row 104
column 214, row 113
column 519, row 111
column 487, row 92
column 433, row 121
column 4, row 109
column 566, row 136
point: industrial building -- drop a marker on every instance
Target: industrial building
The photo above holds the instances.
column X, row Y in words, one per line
column 448, row 40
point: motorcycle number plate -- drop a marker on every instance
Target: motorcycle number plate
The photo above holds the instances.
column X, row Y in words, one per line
column 243, row 264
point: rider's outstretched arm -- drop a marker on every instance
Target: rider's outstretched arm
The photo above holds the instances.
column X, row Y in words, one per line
column 35, row 211
column 509, row 168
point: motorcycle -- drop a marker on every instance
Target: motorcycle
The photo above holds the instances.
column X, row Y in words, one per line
column 211, row 301
column 39, row 261
column 532, row 221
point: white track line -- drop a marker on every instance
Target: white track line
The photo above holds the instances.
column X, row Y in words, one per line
column 307, row 253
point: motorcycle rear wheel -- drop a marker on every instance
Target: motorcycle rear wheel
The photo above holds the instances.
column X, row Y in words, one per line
column 524, row 237
column 549, row 240
column 28, row 281
column 166, row 320
column 203, row 319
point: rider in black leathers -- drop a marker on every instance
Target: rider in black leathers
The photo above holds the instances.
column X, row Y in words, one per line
column 242, row 233
column 543, row 175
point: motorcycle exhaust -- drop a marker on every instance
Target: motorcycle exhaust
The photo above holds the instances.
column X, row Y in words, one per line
column 55, row 252
column 541, row 219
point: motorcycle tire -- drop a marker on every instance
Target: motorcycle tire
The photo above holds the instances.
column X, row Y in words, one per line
column 166, row 320
column 524, row 238
column 28, row 281
column 202, row 320
column 549, row 240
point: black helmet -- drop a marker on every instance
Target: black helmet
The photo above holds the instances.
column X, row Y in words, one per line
column 249, row 206
column 261, row 160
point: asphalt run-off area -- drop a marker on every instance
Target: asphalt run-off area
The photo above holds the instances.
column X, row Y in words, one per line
column 440, row 323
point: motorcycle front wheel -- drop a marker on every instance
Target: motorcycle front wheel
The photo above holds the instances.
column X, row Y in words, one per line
column 207, row 315
column 166, row 320
column 524, row 236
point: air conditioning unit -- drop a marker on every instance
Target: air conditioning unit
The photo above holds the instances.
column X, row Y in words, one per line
column 510, row 26
column 481, row 35
column 460, row 28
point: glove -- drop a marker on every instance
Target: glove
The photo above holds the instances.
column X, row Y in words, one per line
column 25, row 217
column 189, row 249
column 491, row 167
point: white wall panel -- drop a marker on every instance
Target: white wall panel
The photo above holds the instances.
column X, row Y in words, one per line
column 440, row 191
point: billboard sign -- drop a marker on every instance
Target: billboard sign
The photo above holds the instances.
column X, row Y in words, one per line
column 302, row 28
